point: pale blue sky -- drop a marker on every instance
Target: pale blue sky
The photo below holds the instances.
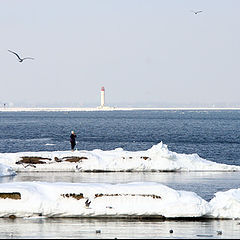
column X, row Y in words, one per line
column 142, row 51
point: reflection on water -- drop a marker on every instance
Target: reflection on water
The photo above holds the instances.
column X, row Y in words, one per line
column 121, row 228
column 204, row 184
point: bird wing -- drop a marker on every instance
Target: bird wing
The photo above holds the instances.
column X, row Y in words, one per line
column 15, row 54
column 196, row 12
column 27, row 58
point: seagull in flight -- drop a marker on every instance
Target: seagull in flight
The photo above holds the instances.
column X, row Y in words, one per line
column 197, row 12
column 20, row 59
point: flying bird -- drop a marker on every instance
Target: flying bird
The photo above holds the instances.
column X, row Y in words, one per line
column 197, row 12
column 20, row 59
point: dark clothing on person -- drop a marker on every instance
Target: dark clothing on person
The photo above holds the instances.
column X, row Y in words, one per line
column 73, row 140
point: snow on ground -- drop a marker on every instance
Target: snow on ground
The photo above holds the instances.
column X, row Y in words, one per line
column 157, row 158
column 39, row 199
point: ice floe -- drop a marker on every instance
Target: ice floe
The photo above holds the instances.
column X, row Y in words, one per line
column 137, row 199
column 157, row 158
column 226, row 204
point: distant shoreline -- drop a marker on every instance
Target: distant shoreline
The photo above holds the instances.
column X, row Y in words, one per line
column 74, row 109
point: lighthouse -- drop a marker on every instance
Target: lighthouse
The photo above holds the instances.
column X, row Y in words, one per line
column 102, row 96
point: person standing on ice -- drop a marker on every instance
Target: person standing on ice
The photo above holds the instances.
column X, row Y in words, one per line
column 73, row 140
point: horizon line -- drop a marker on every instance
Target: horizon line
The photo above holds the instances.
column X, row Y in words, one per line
column 106, row 108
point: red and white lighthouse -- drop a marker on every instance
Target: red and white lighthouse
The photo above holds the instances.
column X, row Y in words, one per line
column 102, row 96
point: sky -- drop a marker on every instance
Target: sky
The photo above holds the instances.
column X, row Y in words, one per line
column 144, row 52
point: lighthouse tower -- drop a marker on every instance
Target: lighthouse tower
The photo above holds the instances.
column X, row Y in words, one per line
column 102, row 96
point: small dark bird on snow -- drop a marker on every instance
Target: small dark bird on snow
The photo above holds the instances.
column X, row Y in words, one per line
column 20, row 59
column 197, row 12
column 87, row 203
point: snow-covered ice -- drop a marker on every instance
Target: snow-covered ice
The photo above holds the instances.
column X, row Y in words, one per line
column 226, row 204
column 157, row 158
column 31, row 199
column 6, row 171
column 136, row 199
column 142, row 199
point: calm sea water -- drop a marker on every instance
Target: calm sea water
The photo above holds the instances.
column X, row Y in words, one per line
column 214, row 135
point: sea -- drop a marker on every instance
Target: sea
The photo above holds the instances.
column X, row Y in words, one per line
column 212, row 134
